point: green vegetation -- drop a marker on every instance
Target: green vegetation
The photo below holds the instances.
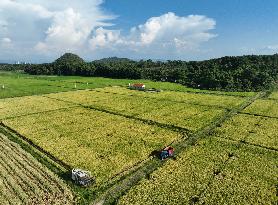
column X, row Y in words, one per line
column 20, row 84
column 245, row 73
column 25, row 181
column 214, row 171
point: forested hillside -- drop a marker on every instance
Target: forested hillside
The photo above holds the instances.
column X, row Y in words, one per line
column 244, row 73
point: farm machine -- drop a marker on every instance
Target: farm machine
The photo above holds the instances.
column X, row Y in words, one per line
column 166, row 153
column 81, row 177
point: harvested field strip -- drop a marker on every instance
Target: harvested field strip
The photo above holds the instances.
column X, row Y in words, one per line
column 25, row 181
column 23, row 157
column 107, row 145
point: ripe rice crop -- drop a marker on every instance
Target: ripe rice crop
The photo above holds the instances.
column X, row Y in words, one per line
column 186, row 115
column 25, row 181
column 215, row 171
column 12, row 107
column 256, row 130
column 192, row 98
column 250, row 177
column 263, row 107
column 103, row 143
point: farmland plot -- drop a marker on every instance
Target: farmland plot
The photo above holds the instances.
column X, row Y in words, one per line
column 200, row 173
column 25, row 181
column 185, row 115
column 256, row 130
column 12, row 107
column 263, row 107
column 249, row 178
column 102, row 143
column 20, row 85
column 191, row 98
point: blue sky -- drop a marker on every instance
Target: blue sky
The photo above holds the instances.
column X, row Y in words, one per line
column 42, row 30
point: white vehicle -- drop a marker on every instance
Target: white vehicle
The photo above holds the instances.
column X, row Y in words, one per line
column 81, row 177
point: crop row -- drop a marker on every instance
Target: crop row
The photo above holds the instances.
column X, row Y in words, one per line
column 12, row 107
column 215, row 171
column 24, row 181
column 102, row 143
column 185, row 115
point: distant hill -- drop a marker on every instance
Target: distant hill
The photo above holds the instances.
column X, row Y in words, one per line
column 112, row 60
column 69, row 58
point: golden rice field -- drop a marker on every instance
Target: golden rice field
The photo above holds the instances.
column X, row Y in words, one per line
column 103, row 143
column 110, row 130
column 23, row 180
column 215, row 171
column 185, row 112
column 256, row 130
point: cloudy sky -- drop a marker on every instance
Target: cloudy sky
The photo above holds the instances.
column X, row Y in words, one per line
column 42, row 30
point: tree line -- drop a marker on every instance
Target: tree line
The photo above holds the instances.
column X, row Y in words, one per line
column 241, row 73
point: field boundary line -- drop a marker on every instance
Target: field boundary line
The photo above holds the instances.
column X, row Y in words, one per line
column 40, row 149
column 244, row 142
column 42, row 112
column 258, row 115
column 149, row 122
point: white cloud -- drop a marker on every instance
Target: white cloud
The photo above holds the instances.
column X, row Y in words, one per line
column 51, row 27
column 104, row 38
column 272, row 47
column 169, row 27
column 158, row 35
column 6, row 40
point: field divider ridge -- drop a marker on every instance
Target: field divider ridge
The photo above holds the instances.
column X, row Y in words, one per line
column 41, row 112
column 149, row 122
column 258, row 115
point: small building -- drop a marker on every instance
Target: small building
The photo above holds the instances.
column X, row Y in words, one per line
column 137, row 86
